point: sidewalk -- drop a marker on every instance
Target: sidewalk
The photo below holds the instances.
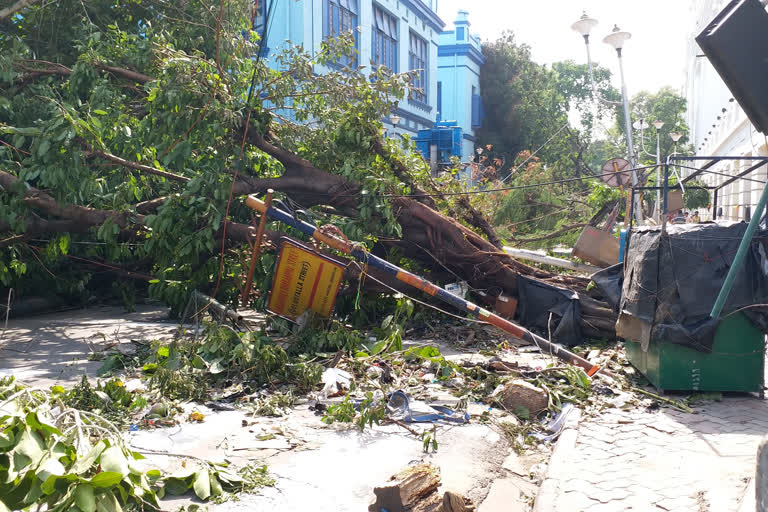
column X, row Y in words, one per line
column 661, row 460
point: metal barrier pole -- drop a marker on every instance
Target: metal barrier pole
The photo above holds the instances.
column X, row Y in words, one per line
column 738, row 261
column 360, row 254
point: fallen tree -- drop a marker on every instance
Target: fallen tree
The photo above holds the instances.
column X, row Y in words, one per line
column 134, row 147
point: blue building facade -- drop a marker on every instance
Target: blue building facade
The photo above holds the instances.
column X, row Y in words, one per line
column 403, row 35
column 459, row 60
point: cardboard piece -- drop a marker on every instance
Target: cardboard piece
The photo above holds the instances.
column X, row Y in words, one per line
column 597, row 247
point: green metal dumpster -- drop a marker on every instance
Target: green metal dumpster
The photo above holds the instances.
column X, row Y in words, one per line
column 736, row 362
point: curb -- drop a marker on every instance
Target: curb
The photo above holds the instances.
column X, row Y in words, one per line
column 549, row 490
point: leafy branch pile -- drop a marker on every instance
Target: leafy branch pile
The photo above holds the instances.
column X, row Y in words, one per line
column 165, row 121
column 71, row 460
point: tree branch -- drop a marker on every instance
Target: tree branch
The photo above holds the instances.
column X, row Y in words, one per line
column 139, row 167
column 19, row 5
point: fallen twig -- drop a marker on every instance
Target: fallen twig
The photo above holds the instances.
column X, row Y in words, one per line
column 674, row 403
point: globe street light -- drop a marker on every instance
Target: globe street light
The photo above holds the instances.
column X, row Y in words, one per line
column 584, row 26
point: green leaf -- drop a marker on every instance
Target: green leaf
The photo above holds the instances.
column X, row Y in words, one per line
column 100, row 112
column 108, row 503
column 37, row 422
column 176, row 486
column 202, row 484
column 217, row 366
column 31, row 446
column 84, row 464
column 154, row 475
column 43, row 148
column 84, row 498
column 106, row 479
column 216, row 489
column 113, row 460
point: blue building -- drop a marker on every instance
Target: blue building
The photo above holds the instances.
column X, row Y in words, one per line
column 403, row 35
column 459, row 59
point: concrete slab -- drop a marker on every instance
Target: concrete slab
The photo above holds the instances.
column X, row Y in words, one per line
column 509, row 495
column 54, row 348
column 330, row 468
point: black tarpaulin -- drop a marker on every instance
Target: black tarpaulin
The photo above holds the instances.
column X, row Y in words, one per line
column 671, row 281
column 549, row 308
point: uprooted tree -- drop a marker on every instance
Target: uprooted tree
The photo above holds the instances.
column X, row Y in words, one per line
column 130, row 132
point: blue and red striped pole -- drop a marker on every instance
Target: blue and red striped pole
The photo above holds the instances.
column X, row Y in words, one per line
column 420, row 283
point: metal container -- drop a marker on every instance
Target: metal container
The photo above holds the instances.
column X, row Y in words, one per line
column 736, row 362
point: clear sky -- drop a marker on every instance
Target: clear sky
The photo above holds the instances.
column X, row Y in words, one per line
column 653, row 58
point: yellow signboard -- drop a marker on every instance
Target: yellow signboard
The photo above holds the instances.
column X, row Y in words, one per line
column 304, row 280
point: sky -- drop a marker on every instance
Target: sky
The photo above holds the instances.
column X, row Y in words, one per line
column 654, row 56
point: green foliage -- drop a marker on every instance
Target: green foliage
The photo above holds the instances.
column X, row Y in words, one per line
column 696, row 196
column 564, row 384
column 526, row 104
column 188, row 120
column 364, row 414
column 216, row 481
column 429, row 440
column 390, row 334
column 41, row 466
column 187, row 370
column 110, row 400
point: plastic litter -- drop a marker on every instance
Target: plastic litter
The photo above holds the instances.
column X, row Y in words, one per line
column 556, row 425
column 334, row 380
column 399, row 407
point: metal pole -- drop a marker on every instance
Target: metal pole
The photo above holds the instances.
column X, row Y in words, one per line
column 628, row 126
column 714, row 206
column 363, row 256
column 658, row 176
column 666, row 193
column 256, row 249
column 629, row 228
column 589, row 66
column 738, row 261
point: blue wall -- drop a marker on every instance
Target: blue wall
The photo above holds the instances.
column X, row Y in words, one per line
column 455, row 62
column 459, row 61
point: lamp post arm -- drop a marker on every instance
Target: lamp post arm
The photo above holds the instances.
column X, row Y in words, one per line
column 642, row 144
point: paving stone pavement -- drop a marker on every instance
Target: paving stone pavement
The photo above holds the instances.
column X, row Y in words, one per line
column 663, row 460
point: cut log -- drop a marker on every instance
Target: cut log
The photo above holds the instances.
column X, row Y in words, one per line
column 406, row 489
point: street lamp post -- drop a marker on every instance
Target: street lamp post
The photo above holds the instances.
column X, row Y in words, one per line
column 616, row 39
column 658, row 125
column 584, row 26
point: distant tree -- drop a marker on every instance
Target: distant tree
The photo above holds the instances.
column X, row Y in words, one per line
column 665, row 105
column 696, row 196
column 528, row 107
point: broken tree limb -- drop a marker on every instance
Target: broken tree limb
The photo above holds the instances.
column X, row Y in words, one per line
column 524, row 254
column 363, row 256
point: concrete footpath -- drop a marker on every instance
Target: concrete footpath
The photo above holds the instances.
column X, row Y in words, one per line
column 316, row 467
column 662, row 460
